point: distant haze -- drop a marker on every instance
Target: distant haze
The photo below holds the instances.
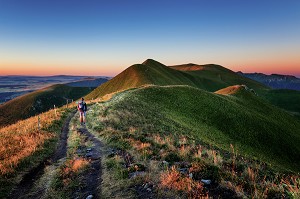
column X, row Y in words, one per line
column 104, row 37
column 13, row 86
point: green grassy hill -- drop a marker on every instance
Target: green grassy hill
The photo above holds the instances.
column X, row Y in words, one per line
column 153, row 72
column 209, row 77
column 255, row 127
column 215, row 77
column 38, row 101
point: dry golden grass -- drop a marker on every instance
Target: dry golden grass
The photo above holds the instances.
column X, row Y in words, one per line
column 159, row 140
column 174, row 180
column 184, row 150
column 199, row 152
column 137, row 144
column 215, row 157
column 293, row 185
column 22, row 139
column 230, row 90
column 70, row 169
column 166, row 140
column 73, row 166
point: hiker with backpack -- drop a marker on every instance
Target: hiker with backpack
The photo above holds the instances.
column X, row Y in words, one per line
column 82, row 108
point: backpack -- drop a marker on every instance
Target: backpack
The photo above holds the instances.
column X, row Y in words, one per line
column 82, row 106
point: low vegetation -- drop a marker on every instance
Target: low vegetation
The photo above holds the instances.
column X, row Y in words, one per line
column 26, row 144
column 285, row 99
column 159, row 147
column 69, row 174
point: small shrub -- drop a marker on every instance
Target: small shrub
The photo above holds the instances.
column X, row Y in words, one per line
column 201, row 171
column 121, row 173
column 272, row 193
column 172, row 157
column 110, row 164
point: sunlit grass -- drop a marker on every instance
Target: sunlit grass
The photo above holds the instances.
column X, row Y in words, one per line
column 22, row 139
column 25, row 145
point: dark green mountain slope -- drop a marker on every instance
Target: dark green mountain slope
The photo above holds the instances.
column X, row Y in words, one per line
column 286, row 99
column 38, row 101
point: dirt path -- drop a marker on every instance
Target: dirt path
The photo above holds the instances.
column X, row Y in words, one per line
column 92, row 177
column 27, row 183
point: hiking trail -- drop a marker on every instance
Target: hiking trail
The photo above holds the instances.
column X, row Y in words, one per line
column 24, row 188
column 92, row 176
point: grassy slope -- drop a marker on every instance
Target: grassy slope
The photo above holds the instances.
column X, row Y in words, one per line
column 283, row 98
column 209, row 77
column 23, row 152
column 42, row 100
column 214, row 77
column 133, row 76
column 153, row 72
column 255, row 127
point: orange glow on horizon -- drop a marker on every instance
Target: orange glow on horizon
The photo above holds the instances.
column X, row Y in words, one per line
column 47, row 70
column 269, row 68
column 278, row 67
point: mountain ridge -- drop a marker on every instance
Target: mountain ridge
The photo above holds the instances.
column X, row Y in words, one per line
column 276, row 81
column 156, row 73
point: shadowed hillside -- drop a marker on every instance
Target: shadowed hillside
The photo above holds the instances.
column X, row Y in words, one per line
column 88, row 82
column 211, row 78
column 283, row 98
column 282, row 95
column 38, row 101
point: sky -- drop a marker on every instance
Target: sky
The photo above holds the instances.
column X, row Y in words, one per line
column 103, row 37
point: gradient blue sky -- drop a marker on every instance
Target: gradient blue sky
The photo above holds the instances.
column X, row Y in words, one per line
column 94, row 37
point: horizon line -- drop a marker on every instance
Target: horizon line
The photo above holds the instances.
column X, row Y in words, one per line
column 74, row 75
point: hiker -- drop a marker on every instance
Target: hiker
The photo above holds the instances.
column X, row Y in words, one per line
column 82, row 108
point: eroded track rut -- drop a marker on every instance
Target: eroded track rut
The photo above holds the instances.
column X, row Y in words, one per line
column 92, row 176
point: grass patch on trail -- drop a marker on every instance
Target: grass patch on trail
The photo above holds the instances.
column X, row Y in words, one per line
column 115, row 182
column 184, row 135
column 68, row 178
column 23, row 146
